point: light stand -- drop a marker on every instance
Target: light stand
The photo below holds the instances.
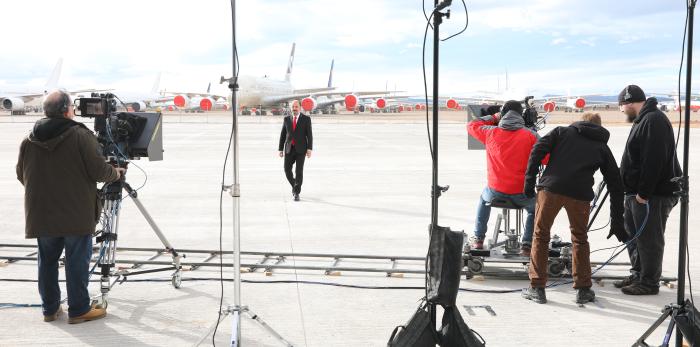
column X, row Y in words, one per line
column 237, row 308
column 683, row 314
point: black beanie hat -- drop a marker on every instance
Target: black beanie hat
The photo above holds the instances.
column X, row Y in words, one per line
column 631, row 93
column 512, row 105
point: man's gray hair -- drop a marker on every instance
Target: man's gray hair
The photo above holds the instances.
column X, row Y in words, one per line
column 55, row 104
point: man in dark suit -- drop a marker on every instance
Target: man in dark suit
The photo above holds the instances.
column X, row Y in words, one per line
column 296, row 141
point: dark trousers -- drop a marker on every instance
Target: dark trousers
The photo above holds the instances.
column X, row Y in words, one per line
column 647, row 251
column 77, row 268
column 546, row 209
column 290, row 159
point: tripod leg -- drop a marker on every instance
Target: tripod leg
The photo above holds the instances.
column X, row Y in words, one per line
column 176, row 276
column 640, row 342
column 110, row 225
column 267, row 327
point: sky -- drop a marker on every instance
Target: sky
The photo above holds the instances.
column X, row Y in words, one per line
column 544, row 46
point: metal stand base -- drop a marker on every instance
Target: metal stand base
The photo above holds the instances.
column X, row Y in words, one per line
column 235, row 313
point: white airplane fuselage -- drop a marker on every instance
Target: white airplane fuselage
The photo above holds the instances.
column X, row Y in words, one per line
column 254, row 92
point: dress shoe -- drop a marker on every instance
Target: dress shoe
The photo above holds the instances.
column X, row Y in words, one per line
column 53, row 317
column 94, row 313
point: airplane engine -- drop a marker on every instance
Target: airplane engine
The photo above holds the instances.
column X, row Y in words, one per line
column 549, row 106
column 205, row 104
column 308, row 104
column 452, row 104
column 351, row 102
column 181, row 100
column 580, row 103
column 401, row 108
column 381, row 103
column 13, row 104
column 138, row 106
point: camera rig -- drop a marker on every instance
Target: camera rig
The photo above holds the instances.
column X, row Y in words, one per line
column 123, row 136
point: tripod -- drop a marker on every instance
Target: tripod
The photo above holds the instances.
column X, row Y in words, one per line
column 236, row 310
column 683, row 314
column 111, row 196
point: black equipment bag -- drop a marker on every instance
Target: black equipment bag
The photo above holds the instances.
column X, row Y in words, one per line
column 444, row 265
column 688, row 320
column 416, row 333
column 456, row 333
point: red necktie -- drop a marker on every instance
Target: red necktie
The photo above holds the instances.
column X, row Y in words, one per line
column 294, row 128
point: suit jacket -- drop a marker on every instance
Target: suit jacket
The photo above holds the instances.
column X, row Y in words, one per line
column 302, row 135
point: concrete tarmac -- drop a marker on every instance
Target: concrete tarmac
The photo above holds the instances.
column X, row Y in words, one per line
column 366, row 191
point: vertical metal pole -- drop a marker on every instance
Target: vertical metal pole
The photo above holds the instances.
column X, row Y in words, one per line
column 437, row 19
column 685, row 189
column 236, row 191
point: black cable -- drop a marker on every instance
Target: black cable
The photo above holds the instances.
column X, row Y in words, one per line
column 466, row 24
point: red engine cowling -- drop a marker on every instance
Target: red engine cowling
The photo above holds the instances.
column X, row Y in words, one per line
column 205, row 104
column 580, row 103
column 381, row 103
column 351, row 102
column 308, row 104
column 181, row 100
column 452, row 104
column 549, row 106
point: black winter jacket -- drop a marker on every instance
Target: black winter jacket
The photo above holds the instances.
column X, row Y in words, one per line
column 576, row 152
column 59, row 164
column 649, row 161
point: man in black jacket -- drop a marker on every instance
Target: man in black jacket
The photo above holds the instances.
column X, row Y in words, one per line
column 59, row 164
column 296, row 141
column 575, row 153
column 648, row 166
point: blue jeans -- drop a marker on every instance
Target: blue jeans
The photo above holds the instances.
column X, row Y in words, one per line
column 483, row 212
column 77, row 263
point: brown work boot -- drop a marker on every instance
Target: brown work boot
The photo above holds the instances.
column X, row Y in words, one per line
column 94, row 313
column 525, row 250
column 53, row 317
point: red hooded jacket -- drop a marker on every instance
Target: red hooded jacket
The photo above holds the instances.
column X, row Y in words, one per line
column 508, row 146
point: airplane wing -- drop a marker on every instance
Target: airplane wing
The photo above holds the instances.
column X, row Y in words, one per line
column 313, row 90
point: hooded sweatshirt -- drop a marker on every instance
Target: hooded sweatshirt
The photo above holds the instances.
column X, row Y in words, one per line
column 59, row 165
column 576, row 152
column 649, row 161
column 508, row 145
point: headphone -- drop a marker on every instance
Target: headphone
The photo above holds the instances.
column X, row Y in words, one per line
column 628, row 96
column 66, row 103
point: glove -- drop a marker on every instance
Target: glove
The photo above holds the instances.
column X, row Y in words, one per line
column 618, row 229
column 529, row 190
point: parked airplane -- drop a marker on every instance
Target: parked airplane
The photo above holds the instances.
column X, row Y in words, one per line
column 198, row 101
column 15, row 101
column 261, row 94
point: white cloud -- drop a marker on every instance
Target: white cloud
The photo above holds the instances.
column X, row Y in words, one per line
column 558, row 41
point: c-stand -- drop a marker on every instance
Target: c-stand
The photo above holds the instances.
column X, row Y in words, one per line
column 683, row 314
column 111, row 195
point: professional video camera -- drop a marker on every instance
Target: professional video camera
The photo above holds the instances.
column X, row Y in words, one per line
column 530, row 114
column 123, row 135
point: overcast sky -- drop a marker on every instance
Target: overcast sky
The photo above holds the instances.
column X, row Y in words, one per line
column 547, row 46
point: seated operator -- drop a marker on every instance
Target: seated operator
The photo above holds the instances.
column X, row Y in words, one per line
column 508, row 145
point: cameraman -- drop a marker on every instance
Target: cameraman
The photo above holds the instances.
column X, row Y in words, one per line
column 508, row 145
column 59, row 165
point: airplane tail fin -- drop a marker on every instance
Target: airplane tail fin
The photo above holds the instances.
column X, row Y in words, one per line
column 330, row 76
column 52, row 82
column 287, row 77
column 156, row 85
